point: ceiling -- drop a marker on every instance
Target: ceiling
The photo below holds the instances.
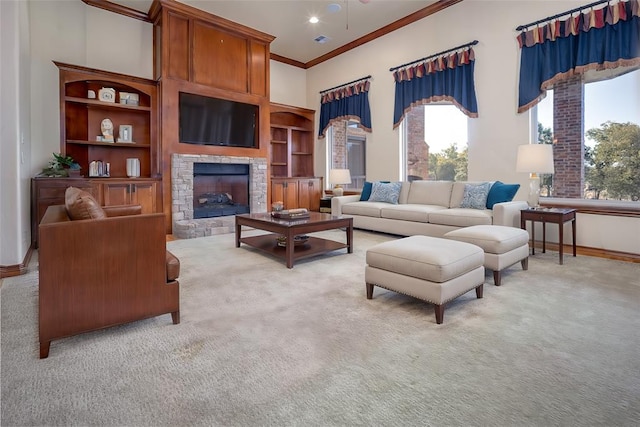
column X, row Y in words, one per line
column 288, row 20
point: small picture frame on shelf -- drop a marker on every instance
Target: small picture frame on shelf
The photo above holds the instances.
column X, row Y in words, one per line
column 125, row 133
column 129, row 98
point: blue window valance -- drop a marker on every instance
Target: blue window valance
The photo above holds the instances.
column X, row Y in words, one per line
column 444, row 78
column 598, row 39
column 346, row 102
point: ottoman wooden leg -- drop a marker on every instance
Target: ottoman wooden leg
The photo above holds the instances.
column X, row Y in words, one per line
column 496, row 278
column 439, row 313
column 525, row 263
column 369, row 290
column 479, row 290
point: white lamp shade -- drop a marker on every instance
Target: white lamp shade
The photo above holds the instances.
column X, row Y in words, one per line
column 535, row 158
column 339, row 176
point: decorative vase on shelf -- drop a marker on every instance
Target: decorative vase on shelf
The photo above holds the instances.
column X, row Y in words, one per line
column 133, row 168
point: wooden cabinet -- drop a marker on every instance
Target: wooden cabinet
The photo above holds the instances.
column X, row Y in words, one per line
column 310, row 193
column 46, row 192
column 297, row 192
column 143, row 193
column 82, row 111
column 286, row 191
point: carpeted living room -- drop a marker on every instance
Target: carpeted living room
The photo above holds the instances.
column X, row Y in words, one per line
column 261, row 331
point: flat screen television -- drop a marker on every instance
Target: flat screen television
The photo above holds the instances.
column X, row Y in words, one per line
column 214, row 121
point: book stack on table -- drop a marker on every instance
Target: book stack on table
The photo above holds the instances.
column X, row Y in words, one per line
column 299, row 213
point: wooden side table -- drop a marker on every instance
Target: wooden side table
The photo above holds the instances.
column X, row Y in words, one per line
column 325, row 205
column 553, row 215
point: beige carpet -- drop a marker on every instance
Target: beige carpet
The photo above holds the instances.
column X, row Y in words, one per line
column 263, row 345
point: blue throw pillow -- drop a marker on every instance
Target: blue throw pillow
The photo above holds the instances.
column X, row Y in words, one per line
column 385, row 192
column 501, row 192
column 475, row 195
column 366, row 190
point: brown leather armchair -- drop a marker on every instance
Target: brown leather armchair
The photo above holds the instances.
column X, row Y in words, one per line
column 109, row 269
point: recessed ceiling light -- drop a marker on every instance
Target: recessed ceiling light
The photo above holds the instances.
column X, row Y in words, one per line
column 333, row 8
column 314, row 20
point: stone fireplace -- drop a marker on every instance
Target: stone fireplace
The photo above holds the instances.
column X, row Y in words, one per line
column 185, row 224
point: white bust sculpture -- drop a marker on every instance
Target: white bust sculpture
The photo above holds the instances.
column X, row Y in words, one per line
column 106, row 127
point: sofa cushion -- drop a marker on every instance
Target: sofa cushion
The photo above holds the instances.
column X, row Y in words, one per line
column 404, row 192
column 385, row 192
column 416, row 213
column 363, row 208
column 173, row 266
column 460, row 217
column 430, row 193
column 501, row 192
column 475, row 195
column 82, row 205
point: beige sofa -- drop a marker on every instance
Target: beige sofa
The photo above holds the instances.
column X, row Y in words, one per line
column 430, row 208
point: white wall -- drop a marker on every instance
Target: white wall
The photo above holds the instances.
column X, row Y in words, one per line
column 14, row 135
column 288, row 84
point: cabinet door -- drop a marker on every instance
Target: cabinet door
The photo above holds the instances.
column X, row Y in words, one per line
column 116, row 193
column 285, row 191
column 309, row 193
column 144, row 194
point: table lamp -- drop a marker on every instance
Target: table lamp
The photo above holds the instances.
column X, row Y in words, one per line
column 535, row 159
column 338, row 177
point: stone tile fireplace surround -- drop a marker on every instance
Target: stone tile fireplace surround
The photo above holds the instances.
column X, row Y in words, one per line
column 184, row 225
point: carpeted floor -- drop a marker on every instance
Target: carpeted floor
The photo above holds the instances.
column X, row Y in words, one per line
column 259, row 344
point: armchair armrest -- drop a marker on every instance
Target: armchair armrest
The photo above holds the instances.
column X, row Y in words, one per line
column 508, row 213
column 338, row 201
column 122, row 210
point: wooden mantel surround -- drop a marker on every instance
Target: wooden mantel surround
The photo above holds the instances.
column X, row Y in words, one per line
column 200, row 53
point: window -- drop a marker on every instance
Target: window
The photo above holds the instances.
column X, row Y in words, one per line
column 434, row 143
column 606, row 112
column 346, row 145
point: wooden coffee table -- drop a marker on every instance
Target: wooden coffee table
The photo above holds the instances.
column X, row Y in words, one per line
column 290, row 228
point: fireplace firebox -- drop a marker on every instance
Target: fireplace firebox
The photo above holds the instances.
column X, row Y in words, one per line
column 220, row 189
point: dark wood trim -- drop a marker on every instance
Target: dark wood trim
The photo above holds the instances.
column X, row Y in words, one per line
column 288, row 61
column 595, row 207
column 402, row 22
column 17, row 269
column 595, row 252
column 102, row 75
column 116, row 8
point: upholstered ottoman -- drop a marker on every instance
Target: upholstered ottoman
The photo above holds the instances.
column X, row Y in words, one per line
column 503, row 246
column 429, row 268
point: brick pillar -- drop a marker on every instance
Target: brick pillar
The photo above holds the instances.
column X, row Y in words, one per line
column 339, row 148
column 417, row 148
column 568, row 133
